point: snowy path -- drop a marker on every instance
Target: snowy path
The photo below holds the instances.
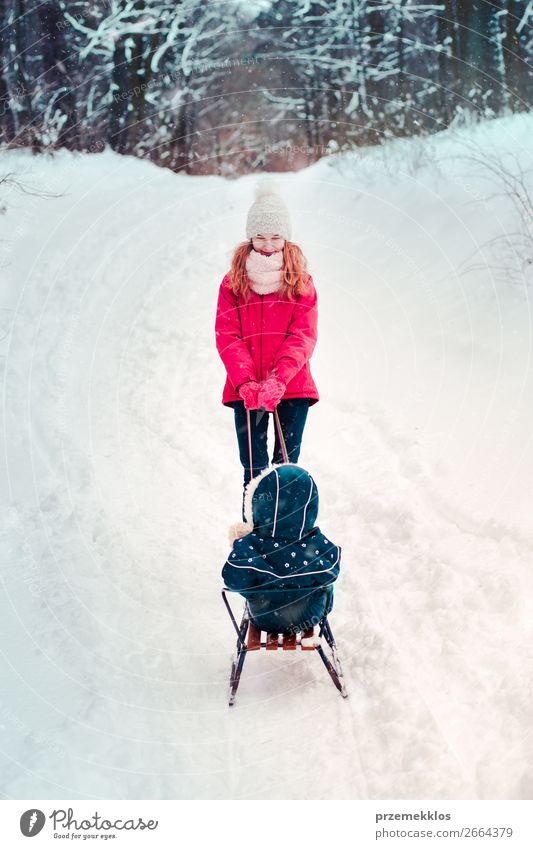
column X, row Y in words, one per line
column 122, row 478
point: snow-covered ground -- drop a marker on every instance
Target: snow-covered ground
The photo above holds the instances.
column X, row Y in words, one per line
column 121, row 475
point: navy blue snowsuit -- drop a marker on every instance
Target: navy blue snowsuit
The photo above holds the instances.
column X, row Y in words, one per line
column 285, row 552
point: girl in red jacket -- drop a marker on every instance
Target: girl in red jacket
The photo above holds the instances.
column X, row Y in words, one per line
column 266, row 331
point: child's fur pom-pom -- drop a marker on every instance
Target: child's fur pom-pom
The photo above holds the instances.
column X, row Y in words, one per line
column 238, row 530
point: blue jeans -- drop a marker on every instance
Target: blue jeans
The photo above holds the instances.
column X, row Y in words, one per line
column 292, row 414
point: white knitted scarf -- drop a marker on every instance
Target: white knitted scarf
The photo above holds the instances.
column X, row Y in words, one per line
column 264, row 272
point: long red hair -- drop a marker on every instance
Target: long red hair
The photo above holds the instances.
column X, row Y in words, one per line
column 294, row 271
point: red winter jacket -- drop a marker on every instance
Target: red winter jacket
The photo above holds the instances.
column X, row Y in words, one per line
column 268, row 335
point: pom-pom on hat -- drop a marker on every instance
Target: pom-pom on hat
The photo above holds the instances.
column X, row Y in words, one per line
column 269, row 212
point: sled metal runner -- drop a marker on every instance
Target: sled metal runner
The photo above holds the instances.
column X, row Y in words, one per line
column 249, row 638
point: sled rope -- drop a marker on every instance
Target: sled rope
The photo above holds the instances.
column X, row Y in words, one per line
column 249, row 443
column 277, row 424
column 281, row 437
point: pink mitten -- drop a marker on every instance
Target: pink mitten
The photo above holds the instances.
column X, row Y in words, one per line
column 271, row 393
column 248, row 392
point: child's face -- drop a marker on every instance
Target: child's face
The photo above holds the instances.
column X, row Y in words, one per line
column 268, row 243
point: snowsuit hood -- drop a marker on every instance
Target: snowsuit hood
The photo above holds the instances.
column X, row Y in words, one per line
column 284, row 553
column 282, row 502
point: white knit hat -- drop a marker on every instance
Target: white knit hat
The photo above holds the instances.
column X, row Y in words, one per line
column 268, row 213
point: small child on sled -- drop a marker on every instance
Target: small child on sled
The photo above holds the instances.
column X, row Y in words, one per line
column 280, row 549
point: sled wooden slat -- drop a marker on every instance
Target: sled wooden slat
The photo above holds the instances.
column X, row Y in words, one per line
column 253, row 642
column 307, row 635
column 289, row 642
column 272, row 642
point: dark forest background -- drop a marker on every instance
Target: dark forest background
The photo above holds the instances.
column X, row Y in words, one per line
column 229, row 87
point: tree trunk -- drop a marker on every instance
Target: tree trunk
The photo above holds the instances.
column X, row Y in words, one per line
column 58, row 74
column 17, row 113
column 446, row 76
column 117, row 130
column 516, row 65
column 481, row 72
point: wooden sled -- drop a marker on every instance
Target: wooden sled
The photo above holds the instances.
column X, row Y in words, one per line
column 250, row 638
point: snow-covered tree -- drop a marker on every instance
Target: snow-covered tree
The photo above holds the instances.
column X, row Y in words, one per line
column 241, row 84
